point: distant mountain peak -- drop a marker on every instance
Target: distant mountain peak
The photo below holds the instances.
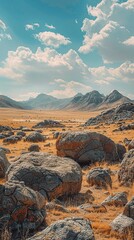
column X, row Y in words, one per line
column 113, row 97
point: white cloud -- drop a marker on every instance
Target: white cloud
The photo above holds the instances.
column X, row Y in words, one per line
column 27, row 96
column 129, row 41
column 2, row 25
column 52, row 39
column 3, row 31
column 113, row 24
column 50, row 26
column 31, row 26
column 69, row 89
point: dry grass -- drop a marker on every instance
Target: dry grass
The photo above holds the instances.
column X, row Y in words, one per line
column 72, row 120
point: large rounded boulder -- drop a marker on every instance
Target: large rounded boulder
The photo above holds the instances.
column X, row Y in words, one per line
column 21, row 209
column 126, row 172
column 69, row 228
column 4, row 164
column 87, row 147
column 50, row 175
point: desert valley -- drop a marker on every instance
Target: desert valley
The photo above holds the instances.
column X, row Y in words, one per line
column 67, row 173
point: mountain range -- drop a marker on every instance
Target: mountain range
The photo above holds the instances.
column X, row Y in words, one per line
column 90, row 101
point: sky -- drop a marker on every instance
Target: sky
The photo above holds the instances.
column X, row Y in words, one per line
column 65, row 47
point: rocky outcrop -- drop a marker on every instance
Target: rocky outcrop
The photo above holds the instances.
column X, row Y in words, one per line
column 99, row 177
column 4, row 164
column 69, row 228
column 21, row 209
column 126, row 172
column 35, row 137
column 123, row 112
column 48, row 124
column 50, row 175
column 87, row 147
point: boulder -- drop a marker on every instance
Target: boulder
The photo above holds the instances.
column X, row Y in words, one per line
column 99, row 177
column 123, row 226
column 4, row 164
column 67, row 229
column 11, row 140
column 131, row 145
column 48, row 124
column 50, row 175
column 86, row 147
column 118, row 199
column 5, row 128
column 129, row 209
column 21, row 208
column 35, row 137
column 126, row 172
column 21, row 133
column 34, row 148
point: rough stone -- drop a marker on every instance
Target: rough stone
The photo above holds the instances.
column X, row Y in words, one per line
column 35, row 137
column 50, row 175
column 118, row 199
column 4, row 164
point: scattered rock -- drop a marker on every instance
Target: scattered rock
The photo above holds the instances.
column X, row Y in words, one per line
column 129, row 209
column 118, row 199
column 121, row 150
column 126, row 172
column 50, row 175
column 126, row 141
column 99, row 177
column 21, row 133
column 34, row 148
column 6, row 150
column 53, row 206
column 35, row 137
column 48, row 124
column 11, row 140
column 69, row 228
column 87, row 147
column 4, row 164
column 21, row 207
column 131, row 145
column 123, row 226
column 93, row 208
column 5, row 128
column 56, row 135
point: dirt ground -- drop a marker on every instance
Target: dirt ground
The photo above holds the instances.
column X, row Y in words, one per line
column 72, row 121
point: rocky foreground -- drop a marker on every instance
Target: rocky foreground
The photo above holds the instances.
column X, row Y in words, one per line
column 82, row 190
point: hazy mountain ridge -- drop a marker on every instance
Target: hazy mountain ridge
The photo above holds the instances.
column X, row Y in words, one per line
column 91, row 100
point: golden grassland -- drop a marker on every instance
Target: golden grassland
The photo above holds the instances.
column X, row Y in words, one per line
column 72, row 121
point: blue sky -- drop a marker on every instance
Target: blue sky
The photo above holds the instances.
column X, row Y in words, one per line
column 64, row 47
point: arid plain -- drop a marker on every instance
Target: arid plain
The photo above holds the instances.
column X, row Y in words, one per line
column 72, row 120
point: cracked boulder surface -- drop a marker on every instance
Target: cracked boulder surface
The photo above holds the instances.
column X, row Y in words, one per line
column 50, row 175
column 4, row 164
column 69, row 228
column 126, row 172
column 21, row 209
column 87, row 147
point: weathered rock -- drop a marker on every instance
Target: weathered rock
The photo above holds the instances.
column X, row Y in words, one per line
column 34, row 148
column 21, row 207
column 121, row 150
column 6, row 150
column 92, row 208
column 87, row 147
column 131, row 145
column 67, row 229
column 123, row 226
column 11, row 140
column 4, row 164
column 118, row 199
column 126, row 172
column 129, row 209
column 21, row 133
column 56, row 135
column 35, row 137
column 50, row 175
column 99, row 177
column 5, row 128
column 48, row 123
column 53, row 206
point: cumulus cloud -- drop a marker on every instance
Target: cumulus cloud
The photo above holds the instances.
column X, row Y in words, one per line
column 50, row 26
column 69, row 89
column 3, row 31
column 111, row 25
column 52, row 39
column 31, row 26
column 129, row 41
